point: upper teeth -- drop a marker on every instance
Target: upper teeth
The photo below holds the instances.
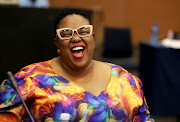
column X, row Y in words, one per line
column 77, row 48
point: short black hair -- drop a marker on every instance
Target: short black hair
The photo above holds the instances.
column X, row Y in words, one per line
column 69, row 11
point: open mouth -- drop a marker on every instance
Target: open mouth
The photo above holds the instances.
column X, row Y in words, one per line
column 78, row 51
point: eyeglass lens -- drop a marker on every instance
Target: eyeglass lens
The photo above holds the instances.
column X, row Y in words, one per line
column 83, row 31
column 67, row 33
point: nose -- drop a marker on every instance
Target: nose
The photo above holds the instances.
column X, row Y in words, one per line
column 75, row 38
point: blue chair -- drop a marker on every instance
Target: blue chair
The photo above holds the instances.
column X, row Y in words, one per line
column 118, row 47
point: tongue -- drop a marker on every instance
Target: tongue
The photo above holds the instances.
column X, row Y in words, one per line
column 78, row 54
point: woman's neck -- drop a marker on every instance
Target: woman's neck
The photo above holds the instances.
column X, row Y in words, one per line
column 74, row 72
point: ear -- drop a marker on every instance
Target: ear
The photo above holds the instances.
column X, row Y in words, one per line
column 55, row 41
column 93, row 34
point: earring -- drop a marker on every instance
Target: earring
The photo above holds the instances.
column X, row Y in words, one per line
column 58, row 51
column 94, row 46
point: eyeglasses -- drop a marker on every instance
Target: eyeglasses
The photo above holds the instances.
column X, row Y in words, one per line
column 67, row 33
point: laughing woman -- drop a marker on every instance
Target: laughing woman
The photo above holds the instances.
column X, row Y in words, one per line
column 73, row 85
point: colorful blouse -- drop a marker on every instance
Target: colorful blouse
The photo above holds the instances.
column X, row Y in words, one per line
column 48, row 95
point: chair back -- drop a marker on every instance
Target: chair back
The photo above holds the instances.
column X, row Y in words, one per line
column 117, row 42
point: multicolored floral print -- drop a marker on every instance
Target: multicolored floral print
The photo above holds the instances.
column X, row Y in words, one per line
column 48, row 95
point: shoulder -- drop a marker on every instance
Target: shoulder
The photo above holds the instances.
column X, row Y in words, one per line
column 122, row 74
column 111, row 65
column 117, row 70
column 35, row 69
column 125, row 77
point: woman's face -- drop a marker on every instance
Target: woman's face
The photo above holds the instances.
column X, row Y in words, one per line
column 75, row 53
